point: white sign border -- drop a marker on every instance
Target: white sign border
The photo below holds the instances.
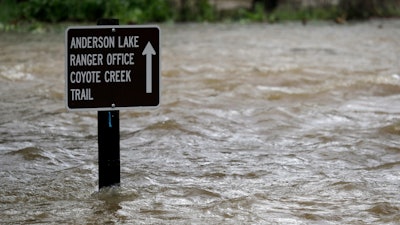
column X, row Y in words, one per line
column 109, row 27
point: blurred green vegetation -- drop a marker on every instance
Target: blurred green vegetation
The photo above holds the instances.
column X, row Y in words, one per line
column 365, row 9
column 15, row 12
column 345, row 10
column 138, row 11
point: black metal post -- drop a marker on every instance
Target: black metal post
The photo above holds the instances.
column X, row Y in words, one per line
column 108, row 139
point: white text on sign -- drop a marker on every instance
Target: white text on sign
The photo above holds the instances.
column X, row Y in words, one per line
column 104, row 42
column 100, row 59
column 90, row 77
column 97, row 59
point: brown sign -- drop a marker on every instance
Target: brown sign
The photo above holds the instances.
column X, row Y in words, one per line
column 112, row 67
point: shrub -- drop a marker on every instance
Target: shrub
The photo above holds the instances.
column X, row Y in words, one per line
column 364, row 9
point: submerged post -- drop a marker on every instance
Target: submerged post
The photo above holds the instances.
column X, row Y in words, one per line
column 108, row 139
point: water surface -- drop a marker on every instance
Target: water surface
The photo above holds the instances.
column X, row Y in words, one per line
column 258, row 124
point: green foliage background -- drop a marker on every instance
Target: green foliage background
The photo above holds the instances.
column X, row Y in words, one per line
column 13, row 12
column 128, row 11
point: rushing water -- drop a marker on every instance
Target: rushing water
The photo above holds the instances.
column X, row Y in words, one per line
column 258, row 124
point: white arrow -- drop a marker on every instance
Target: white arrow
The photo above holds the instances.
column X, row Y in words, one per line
column 148, row 51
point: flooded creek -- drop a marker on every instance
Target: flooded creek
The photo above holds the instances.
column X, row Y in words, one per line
column 258, row 124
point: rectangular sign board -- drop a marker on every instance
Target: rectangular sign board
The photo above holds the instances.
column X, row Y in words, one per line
column 112, row 67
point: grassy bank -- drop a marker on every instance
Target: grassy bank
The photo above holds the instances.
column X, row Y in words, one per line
column 14, row 13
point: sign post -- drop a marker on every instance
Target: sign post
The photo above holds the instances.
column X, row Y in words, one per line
column 108, row 68
column 108, row 139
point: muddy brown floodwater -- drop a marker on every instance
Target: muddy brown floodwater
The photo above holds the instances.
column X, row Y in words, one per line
column 258, row 124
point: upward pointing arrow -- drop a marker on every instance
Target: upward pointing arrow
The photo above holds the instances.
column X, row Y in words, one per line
column 148, row 51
